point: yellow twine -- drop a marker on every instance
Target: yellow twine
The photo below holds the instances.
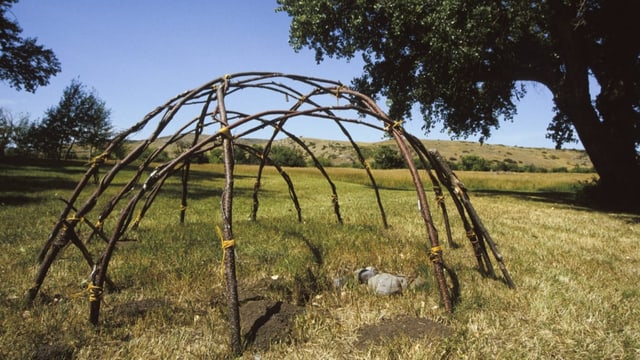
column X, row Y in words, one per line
column 338, row 93
column 99, row 224
column 136, row 221
column 75, row 218
column 227, row 76
column 440, row 199
column 225, row 245
column 434, row 254
column 224, row 131
column 395, row 125
column 183, row 207
column 98, row 160
column 95, row 292
column 366, row 165
column 302, row 99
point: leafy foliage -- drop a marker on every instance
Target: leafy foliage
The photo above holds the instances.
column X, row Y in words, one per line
column 287, row 156
column 79, row 118
column 387, row 157
column 465, row 62
column 24, row 64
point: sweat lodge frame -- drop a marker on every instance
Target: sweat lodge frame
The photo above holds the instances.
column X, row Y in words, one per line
column 319, row 100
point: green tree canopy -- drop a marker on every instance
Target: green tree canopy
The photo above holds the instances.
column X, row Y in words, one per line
column 387, row 157
column 287, row 156
column 465, row 63
column 79, row 118
column 23, row 62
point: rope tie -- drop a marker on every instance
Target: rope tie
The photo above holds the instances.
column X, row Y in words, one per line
column 338, row 93
column 440, row 199
column 136, row 221
column 183, row 207
column 95, row 292
column 395, row 125
column 75, row 218
column 224, row 131
column 435, row 252
column 98, row 160
column 302, row 99
column 366, row 165
column 473, row 237
column 225, row 245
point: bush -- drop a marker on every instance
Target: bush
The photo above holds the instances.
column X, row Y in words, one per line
column 287, row 156
column 387, row 157
column 474, row 163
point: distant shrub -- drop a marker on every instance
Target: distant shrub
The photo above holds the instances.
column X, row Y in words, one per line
column 474, row 163
column 287, row 156
column 582, row 170
column 387, row 157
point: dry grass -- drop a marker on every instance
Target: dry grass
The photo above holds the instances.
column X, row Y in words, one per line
column 575, row 271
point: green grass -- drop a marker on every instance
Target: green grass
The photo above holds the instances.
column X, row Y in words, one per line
column 575, row 269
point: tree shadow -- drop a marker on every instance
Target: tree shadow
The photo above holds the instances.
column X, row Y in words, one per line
column 550, row 197
column 566, row 198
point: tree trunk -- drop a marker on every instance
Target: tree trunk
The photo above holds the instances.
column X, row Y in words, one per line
column 608, row 136
column 608, row 142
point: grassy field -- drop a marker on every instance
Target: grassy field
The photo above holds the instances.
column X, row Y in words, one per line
column 576, row 272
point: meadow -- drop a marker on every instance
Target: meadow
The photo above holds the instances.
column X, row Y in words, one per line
column 575, row 269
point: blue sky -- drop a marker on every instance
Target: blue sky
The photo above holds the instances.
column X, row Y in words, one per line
column 137, row 54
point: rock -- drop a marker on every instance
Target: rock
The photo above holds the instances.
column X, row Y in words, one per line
column 387, row 284
column 363, row 275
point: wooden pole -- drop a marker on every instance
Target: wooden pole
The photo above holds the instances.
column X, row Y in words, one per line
column 228, row 244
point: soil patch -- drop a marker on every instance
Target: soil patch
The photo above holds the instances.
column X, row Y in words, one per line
column 263, row 322
column 414, row 328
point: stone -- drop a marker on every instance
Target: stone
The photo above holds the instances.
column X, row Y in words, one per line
column 387, row 284
column 363, row 275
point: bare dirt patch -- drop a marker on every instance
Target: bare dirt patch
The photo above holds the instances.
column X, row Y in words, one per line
column 264, row 322
column 411, row 327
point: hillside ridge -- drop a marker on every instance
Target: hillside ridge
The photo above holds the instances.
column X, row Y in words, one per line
column 340, row 152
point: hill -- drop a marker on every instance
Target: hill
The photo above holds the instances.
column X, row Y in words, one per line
column 340, row 153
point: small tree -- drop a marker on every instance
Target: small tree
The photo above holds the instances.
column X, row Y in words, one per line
column 16, row 135
column 79, row 118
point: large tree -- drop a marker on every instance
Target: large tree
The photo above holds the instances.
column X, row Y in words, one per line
column 80, row 118
column 466, row 61
column 24, row 64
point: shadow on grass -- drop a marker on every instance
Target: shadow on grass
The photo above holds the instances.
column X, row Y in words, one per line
column 551, row 197
column 566, row 198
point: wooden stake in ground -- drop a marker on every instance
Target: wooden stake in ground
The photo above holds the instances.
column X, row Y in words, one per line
column 228, row 244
